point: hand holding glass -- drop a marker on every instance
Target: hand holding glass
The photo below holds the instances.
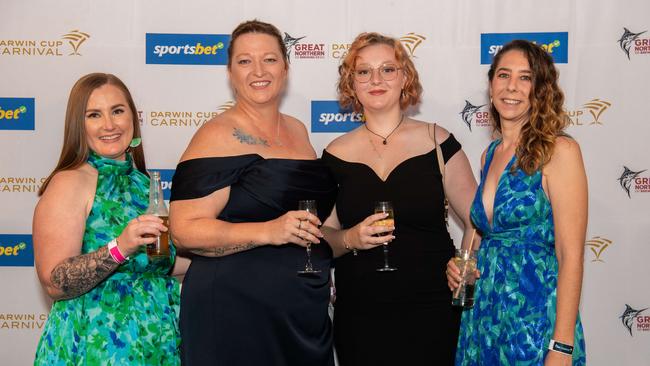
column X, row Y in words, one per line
column 465, row 260
column 309, row 206
column 385, row 207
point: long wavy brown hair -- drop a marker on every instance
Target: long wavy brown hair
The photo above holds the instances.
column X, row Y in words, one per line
column 412, row 92
column 547, row 116
column 75, row 149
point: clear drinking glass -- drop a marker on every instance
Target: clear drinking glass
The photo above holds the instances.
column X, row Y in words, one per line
column 465, row 260
column 385, row 207
column 309, row 206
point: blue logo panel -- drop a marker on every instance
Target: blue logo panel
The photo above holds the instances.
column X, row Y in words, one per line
column 327, row 116
column 166, row 176
column 17, row 113
column 556, row 44
column 187, row 49
column 16, row 250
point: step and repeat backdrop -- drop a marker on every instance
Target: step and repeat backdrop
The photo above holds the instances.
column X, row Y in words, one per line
column 172, row 55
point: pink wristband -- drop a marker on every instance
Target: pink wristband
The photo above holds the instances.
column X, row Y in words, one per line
column 114, row 251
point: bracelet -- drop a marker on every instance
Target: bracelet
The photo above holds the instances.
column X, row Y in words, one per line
column 556, row 346
column 115, row 252
column 354, row 251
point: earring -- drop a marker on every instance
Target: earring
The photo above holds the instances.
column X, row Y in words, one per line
column 135, row 142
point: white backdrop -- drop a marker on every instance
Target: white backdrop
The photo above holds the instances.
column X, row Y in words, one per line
column 46, row 46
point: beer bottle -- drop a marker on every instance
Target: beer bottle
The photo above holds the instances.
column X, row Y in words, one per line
column 157, row 207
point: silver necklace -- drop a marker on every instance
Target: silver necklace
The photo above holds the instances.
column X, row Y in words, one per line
column 385, row 142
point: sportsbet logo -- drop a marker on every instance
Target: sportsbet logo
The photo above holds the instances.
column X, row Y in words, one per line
column 187, row 49
column 16, row 113
column 555, row 43
column 327, row 116
column 16, row 250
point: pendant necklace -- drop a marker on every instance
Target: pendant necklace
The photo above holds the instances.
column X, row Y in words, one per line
column 385, row 142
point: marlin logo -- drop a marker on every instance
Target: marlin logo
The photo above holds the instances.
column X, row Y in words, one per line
column 626, row 40
column 468, row 112
column 76, row 38
column 627, row 177
column 289, row 42
column 628, row 316
column 598, row 245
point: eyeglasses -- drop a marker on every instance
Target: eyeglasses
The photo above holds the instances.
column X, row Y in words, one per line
column 363, row 73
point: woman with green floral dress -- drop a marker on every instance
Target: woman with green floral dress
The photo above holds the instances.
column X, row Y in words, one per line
column 112, row 305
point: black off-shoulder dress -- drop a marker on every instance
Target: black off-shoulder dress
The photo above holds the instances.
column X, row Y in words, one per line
column 251, row 307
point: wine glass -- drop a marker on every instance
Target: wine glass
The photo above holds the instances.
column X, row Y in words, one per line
column 309, row 206
column 385, row 207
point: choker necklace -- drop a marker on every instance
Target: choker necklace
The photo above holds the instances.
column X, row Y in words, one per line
column 385, row 142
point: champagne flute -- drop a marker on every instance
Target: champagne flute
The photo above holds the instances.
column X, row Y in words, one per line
column 385, row 207
column 309, row 206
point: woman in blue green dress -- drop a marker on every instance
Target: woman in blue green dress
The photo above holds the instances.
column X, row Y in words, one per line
column 112, row 306
column 531, row 209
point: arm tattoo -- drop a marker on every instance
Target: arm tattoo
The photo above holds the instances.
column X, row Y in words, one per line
column 224, row 251
column 77, row 275
column 247, row 139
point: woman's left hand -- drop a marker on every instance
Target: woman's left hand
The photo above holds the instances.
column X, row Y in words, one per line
column 557, row 359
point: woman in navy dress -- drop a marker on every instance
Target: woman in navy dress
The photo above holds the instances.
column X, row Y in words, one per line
column 234, row 204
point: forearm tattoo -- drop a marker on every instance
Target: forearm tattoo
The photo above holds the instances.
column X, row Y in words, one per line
column 77, row 275
column 224, row 251
column 247, row 139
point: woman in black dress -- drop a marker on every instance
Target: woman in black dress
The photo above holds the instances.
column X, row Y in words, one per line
column 401, row 317
column 234, row 204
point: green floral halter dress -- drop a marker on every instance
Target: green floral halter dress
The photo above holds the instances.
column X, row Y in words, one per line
column 130, row 318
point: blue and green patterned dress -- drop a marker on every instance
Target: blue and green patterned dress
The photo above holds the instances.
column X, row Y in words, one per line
column 513, row 317
column 131, row 318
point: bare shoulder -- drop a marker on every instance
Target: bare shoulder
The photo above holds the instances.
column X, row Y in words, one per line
column 422, row 128
column 344, row 144
column 294, row 124
column 71, row 187
column 566, row 155
column 212, row 139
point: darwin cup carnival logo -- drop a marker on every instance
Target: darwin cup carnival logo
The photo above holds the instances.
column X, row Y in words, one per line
column 597, row 245
column 225, row 106
column 475, row 114
column 631, row 41
column 44, row 47
column 594, row 108
column 633, row 181
column 632, row 319
column 411, row 41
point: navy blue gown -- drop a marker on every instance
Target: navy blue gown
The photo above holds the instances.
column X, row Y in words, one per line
column 251, row 307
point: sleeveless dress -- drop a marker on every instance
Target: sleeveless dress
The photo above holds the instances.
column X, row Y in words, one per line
column 403, row 317
column 513, row 317
column 252, row 307
column 130, row 318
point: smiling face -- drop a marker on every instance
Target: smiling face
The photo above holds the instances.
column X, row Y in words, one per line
column 258, row 72
column 511, row 86
column 379, row 63
column 108, row 122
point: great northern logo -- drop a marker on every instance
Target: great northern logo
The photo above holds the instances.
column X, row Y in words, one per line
column 631, row 41
column 411, row 41
column 593, row 108
column 632, row 319
column 555, row 43
column 631, row 180
column 301, row 49
column 475, row 114
column 45, row 47
column 597, row 245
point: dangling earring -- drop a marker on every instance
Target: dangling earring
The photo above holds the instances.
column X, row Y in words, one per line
column 135, row 142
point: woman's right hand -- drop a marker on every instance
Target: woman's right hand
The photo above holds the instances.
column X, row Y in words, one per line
column 361, row 236
column 453, row 275
column 296, row 227
column 142, row 230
